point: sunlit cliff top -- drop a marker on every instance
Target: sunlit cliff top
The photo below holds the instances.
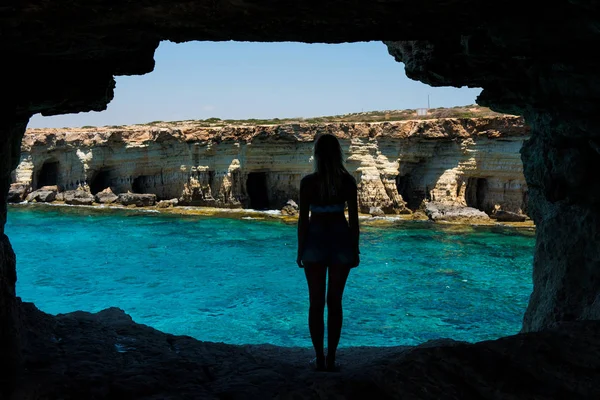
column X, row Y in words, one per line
column 470, row 111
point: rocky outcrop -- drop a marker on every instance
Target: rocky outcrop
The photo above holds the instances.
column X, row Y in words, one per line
column 376, row 212
column 42, row 196
column 105, row 196
column 507, row 216
column 398, row 165
column 290, row 208
column 452, row 213
column 17, row 192
column 167, row 203
column 136, row 199
column 78, row 197
column 108, row 356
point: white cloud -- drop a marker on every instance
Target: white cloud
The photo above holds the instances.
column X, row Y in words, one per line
column 208, row 107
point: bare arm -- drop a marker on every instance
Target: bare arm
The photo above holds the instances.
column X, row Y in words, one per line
column 302, row 220
column 353, row 217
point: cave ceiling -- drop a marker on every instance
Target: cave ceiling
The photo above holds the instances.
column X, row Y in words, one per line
column 61, row 55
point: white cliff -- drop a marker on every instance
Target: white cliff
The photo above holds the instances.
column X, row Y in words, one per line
column 398, row 165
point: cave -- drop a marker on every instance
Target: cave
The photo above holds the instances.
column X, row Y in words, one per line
column 413, row 196
column 140, row 184
column 101, row 180
column 476, row 192
column 48, row 175
column 510, row 52
column 258, row 192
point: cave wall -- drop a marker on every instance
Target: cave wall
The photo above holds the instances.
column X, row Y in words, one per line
column 12, row 128
column 561, row 161
column 209, row 167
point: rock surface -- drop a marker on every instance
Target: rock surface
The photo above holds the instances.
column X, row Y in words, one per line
column 78, row 197
column 472, row 162
column 507, row 216
column 376, row 212
column 454, row 213
column 17, row 192
column 42, row 196
column 290, row 208
column 12, row 128
column 167, row 203
column 106, row 356
column 105, row 196
column 137, row 199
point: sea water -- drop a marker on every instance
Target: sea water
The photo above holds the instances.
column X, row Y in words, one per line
column 236, row 281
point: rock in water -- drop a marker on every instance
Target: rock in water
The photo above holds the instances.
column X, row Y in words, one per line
column 290, row 208
column 17, row 193
column 78, row 197
column 454, row 213
column 137, row 199
column 507, row 216
column 376, row 212
column 167, row 203
column 42, row 196
column 106, row 196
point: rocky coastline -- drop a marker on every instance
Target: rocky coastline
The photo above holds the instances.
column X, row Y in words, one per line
column 462, row 170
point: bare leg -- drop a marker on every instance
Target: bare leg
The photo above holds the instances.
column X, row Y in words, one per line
column 338, row 274
column 316, row 275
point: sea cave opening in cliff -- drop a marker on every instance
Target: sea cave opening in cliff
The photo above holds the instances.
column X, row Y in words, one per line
column 48, row 175
column 101, row 180
column 140, row 184
column 258, row 192
column 476, row 192
column 413, row 196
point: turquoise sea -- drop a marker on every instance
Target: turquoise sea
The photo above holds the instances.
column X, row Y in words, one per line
column 236, row 281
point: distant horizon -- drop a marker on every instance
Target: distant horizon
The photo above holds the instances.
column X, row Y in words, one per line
column 241, row 80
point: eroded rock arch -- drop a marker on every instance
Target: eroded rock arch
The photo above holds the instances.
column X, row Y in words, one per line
column 514, row 52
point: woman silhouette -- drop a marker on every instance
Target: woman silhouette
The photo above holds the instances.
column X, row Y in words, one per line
column 327, row 243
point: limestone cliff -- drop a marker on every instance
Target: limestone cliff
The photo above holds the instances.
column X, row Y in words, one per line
column 398, row 165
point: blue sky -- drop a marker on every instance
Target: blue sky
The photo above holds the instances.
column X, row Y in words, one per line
column 238, row 80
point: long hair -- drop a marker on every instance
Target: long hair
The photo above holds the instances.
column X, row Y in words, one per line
column 329, row 166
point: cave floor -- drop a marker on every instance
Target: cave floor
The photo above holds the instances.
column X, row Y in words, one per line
column 108, row 356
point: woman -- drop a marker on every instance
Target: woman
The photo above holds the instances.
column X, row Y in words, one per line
column 327, row 243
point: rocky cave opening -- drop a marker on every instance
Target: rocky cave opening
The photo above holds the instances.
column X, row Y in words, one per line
column 413, row 196
column 101, row 180
column 258, row 192
column 140, row 184
column 512, row 55
column 476, row 192
column 48, row 175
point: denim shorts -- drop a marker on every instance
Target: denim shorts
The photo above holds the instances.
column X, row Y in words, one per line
column 328, row 241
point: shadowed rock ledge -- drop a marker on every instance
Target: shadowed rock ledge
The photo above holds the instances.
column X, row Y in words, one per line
column 108, row 356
